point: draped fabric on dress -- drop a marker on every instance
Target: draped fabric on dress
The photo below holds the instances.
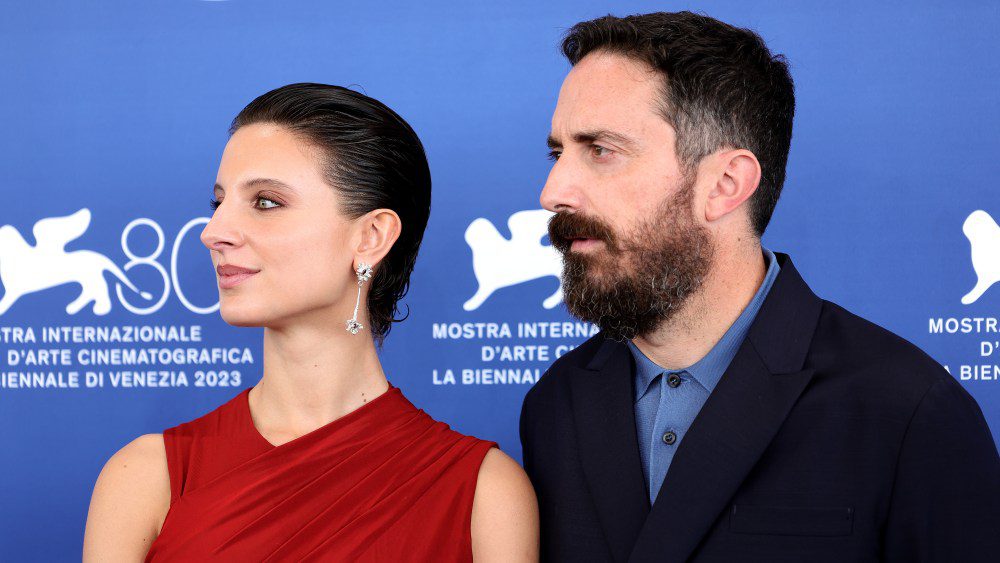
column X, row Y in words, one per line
column 385, row 482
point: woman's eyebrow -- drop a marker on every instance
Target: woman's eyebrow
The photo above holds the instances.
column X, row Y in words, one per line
column 260, row 183
column 268, row 183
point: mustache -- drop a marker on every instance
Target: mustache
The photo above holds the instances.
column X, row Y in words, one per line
column 565, row 227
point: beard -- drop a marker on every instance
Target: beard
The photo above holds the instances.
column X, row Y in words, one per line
column 640, row 279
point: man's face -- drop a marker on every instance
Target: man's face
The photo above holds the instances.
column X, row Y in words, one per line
column 634, row 249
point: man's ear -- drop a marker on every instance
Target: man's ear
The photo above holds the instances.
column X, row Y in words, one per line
column 378, row 231
column 737, row 180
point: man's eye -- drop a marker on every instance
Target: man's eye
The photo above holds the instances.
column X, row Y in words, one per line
column 599, row 151
column 274, row 203
column 554, row 155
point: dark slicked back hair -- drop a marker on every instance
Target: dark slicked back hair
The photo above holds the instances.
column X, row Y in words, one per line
column 723, row 89
column 373, row 159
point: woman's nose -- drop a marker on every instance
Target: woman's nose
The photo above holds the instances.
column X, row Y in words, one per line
column 222, row 230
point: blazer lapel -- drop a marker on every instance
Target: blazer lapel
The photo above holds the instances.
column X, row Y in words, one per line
column 728, row 436
column 603, row 411
column 736, row 424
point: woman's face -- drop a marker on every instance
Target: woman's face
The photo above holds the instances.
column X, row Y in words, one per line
column 279, row 219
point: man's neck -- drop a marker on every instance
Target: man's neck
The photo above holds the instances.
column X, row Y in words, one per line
column 695, row 329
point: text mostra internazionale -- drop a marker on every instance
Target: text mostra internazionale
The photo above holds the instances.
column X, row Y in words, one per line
column 125, row 334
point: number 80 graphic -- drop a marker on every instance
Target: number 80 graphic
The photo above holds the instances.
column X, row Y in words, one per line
column 150, row 260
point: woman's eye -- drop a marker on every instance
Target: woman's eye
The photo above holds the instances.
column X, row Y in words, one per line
column 272, row 203
column 214, row 203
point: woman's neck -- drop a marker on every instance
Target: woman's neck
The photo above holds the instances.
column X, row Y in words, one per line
column 312, row 376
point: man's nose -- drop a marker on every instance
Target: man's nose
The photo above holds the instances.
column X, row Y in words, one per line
column 222, row 230
column 562, row 188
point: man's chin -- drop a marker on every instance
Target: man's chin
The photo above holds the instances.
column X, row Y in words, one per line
column 595, row 271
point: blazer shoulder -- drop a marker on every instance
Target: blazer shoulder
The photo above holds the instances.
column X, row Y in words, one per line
column 558, row 373
column 847, row 343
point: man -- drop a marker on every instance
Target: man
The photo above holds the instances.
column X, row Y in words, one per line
column 724, row 413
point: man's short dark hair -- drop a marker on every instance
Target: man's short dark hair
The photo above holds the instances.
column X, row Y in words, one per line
column 723, row 88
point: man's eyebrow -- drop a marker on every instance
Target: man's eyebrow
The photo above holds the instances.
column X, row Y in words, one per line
column 261, row 183
column 588, row 137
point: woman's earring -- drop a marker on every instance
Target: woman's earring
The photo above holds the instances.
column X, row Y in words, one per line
column 364, row 272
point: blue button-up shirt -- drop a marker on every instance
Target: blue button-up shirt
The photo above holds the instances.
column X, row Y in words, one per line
column 665, row 411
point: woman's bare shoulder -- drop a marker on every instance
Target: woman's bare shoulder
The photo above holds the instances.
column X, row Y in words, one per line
column 130, row 501
column 504, row 512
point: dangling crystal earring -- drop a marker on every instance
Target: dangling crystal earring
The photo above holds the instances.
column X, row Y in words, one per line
column 364, row 272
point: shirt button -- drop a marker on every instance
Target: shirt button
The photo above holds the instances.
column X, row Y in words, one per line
column 673, row 380
column 669, row 438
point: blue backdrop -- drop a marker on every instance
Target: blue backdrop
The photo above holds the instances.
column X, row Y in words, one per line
column 121, row 109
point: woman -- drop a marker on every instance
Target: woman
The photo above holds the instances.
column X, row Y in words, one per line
column 322, row 197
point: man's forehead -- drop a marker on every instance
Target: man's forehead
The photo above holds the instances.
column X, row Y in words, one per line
column 614, row 74
column 606, row 92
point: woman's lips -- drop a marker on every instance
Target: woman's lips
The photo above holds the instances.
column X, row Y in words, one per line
column 230, row 275
column 230, row 281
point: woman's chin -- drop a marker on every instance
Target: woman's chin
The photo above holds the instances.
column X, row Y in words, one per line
column 241, row 316
column 245, row 322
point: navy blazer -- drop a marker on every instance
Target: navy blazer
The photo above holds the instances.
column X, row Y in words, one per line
column 828, row 438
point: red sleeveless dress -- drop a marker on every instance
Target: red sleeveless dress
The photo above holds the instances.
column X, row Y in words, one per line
column 385, row 482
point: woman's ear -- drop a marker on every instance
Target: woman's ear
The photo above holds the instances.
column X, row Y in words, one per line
column 739, row 178
column 379, row 230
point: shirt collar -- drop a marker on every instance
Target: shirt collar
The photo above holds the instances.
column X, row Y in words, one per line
column 708, row 370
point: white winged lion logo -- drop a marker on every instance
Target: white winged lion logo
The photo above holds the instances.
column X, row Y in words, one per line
column 26, row 269
column 498, row 262
column 984, row 237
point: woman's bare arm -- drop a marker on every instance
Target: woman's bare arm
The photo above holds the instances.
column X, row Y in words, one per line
column 504, row 512
column 130, row 501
